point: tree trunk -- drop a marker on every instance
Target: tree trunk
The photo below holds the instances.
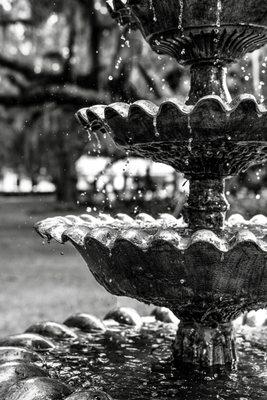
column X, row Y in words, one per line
column 66, row 181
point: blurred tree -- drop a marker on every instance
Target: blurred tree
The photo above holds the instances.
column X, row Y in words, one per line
column 57, row 56
column 65, row 53
column 51, row 55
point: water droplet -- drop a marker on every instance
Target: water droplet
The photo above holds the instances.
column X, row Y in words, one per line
column 157, row 134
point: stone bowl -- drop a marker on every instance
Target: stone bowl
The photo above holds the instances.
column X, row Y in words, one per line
column 200, row 276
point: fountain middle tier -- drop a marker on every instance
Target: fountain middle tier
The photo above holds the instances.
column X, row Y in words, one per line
column 213, row 138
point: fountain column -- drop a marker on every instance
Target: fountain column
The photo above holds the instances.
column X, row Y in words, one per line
column 206, row 204
column 208, row 78
column 206, row 346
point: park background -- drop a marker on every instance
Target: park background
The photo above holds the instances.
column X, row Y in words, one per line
column 56, row 57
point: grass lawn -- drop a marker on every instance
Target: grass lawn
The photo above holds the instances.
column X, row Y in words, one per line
column 40, row 281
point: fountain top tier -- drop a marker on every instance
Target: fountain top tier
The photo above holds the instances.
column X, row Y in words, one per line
column 192, row 31
column 211, row 137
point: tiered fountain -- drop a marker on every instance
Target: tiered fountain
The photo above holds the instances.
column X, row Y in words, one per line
column 205, row 269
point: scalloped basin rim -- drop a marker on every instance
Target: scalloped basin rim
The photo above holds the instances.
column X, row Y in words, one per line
column 146, row 235
column 152, row 110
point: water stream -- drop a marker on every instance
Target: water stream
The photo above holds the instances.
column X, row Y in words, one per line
column 152, row 7
column 181, row 14
column 218, row 13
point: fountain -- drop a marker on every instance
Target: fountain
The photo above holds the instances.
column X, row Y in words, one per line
column 207, row 270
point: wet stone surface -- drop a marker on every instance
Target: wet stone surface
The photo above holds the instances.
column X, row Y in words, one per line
column 135, row 362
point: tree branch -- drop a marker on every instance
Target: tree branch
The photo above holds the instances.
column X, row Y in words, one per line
column 24, row 69
column 67, row 95
column 7, row 22
column 16, row 81
column 67, row 66
column 43, row 78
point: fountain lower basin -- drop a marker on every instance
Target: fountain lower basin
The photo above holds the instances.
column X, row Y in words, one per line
column 207, row 279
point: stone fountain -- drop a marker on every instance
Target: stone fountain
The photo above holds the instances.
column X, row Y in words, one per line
column 207, row 270
column 204, row 268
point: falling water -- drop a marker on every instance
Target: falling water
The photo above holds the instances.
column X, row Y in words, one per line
column 181, row 14
column 127, row 162
column 217, row 29
column 218, row 13
column 263, row 76
column 152, row 7
column 97, row 146
column 190, row 133
column 257, row 83
column 155, row 126
column 118, row 63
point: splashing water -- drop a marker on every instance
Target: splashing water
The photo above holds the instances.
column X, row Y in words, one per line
column 124, row 41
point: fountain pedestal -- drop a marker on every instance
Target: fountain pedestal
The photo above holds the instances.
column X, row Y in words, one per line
column 208, row 79
column 205, row 346
column 206, row 205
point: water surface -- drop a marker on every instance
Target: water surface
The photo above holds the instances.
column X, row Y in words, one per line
column 130, row 363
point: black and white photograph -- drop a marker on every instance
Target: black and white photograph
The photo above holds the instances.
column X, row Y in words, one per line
column 133, row 199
